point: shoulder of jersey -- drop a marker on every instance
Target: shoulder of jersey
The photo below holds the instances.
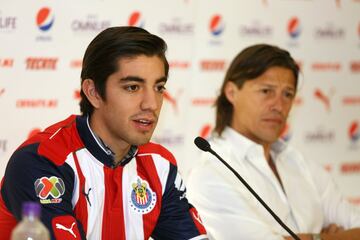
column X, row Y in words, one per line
column 154, row 148
column 57, row 141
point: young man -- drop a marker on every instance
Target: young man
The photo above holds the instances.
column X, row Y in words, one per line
column 251, row 111
column 96, row 175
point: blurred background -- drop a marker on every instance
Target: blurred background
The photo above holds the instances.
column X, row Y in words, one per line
column 42, row 43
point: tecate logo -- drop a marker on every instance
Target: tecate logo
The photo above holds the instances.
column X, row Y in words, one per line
column 326, row 66
column 36, row 63
column 212, row 65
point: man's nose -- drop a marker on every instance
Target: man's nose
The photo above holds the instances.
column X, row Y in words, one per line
column 150, row 100
column 278, row 103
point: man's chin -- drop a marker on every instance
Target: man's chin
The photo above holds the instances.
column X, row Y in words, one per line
column 141, row 140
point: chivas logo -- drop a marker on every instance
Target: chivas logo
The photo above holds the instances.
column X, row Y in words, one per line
column 143, row 199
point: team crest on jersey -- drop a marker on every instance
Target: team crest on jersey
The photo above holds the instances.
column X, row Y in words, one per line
column 143, row 199
column 49, row 189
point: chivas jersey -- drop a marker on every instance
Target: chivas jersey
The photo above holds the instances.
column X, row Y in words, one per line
column 83, row 196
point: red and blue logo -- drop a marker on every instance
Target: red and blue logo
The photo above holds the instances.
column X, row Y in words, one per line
column 354, row 131
column 136, row 20
column 45, row 19
column 286, row 133
column 216, row 25
column 293, row 27
column 142, row 198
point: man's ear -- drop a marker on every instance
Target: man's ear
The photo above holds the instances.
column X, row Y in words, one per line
column 88, row 87
column 230, row 90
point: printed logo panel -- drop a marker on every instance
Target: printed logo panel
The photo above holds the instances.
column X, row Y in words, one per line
column 49, row 190
column 142, row 198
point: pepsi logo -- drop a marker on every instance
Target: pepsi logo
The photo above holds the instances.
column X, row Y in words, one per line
column 216, row 25
column 136, row 20
column 205, row 131
column 354, row 131
column 294, row 28
column 286, row 133
column 45, row 19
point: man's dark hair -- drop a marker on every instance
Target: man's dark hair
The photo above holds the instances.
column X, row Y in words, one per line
column 250, row 63
column 108, row 47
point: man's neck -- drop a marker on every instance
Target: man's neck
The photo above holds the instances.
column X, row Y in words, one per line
column 118, row 149
column 267, row 149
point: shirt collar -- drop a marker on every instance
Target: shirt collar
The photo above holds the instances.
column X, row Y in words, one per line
column 236, row 139
column 98, row 148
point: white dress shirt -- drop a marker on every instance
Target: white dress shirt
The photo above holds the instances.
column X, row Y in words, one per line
column 307, row 202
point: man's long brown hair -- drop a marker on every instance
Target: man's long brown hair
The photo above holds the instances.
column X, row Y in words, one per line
column 250, row 63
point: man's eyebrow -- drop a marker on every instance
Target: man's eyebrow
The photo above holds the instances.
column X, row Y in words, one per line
column 274, row 86
column 140, row 80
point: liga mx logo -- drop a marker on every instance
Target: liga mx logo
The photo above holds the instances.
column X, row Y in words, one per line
column 49, row 189
column 136, row 20
column 216, row 25
column 142, row 198
column 294, row 28
column 45, row 19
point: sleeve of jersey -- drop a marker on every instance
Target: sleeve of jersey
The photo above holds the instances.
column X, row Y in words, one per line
column 30, row 177
column 178, row 219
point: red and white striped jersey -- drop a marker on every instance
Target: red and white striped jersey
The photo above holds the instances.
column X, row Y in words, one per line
column 84, row 196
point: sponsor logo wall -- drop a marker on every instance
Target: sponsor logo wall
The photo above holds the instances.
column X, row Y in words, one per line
column 43, row 42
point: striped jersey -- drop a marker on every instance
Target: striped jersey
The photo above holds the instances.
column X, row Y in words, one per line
column 84, row 196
